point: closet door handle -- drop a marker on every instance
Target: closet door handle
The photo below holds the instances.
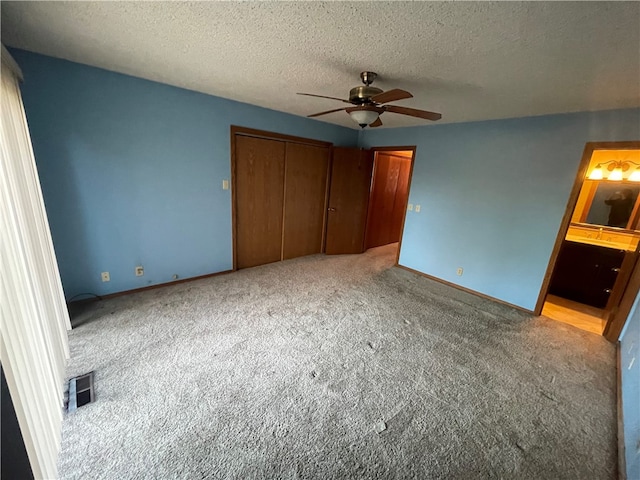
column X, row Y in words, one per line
column 331, row 209
column 607, row 290
column 615, row 270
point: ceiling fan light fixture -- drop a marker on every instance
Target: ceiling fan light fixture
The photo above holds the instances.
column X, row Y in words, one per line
column 369, row 102
column 364, row 117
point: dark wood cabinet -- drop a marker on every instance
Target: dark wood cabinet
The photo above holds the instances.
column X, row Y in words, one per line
column 586, row 273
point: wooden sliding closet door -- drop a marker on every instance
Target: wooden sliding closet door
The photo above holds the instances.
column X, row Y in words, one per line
column 306, row 170
column 259, row 190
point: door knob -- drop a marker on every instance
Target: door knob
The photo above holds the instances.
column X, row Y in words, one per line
column 615, row 270
column 331, row 209
column 607, row 290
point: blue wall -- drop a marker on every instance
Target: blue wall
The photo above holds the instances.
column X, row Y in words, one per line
column 493, row 194
column 132, row 171
column 630, row 374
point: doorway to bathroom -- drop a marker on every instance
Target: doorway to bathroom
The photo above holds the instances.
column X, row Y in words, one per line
column 594, row 274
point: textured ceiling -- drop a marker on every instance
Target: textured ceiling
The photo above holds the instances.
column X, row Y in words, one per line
column 467, row 60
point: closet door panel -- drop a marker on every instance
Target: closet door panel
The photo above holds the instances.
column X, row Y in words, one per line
column 306, row 170
column 383, row 194
column 259, row 183
column 402, row 195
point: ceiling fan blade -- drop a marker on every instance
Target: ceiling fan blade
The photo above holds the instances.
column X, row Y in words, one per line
column 391, row 96
column 413, row 112
column 377, row 123
column 324, row 96
column 328, row 111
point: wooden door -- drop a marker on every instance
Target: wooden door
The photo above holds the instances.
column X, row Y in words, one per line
column 348, row 200
column 306, row 170
column 259, row 191
column 388, row 199
column 402, row 197
column 619, row 313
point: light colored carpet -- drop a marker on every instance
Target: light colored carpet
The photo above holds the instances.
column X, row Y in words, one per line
column 335, row 367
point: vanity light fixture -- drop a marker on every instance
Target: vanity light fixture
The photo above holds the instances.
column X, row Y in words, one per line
column 635, row 175
column 616, row 175
column 617, row 169
column 596, row 173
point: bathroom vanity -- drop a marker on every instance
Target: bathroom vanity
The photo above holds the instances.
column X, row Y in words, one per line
column 594, row 265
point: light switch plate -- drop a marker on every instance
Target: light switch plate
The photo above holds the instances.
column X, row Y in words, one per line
column 410, row 207
column 225, row 184
column 417, row 208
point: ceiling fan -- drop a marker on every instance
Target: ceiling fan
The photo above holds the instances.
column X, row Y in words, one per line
column 370, row 102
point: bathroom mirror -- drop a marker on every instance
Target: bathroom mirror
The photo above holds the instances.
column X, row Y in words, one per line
column 612, row 204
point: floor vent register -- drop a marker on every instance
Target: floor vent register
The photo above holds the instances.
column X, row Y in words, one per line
column 81, row 391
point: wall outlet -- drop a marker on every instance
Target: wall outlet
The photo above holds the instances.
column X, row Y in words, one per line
column 139, row 271
column 105, row 277
column 225, row 184
column 410, row 207
column 417, row 208
column 459, row 271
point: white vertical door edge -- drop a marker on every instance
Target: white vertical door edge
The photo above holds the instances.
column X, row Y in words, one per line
column 33, row 315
